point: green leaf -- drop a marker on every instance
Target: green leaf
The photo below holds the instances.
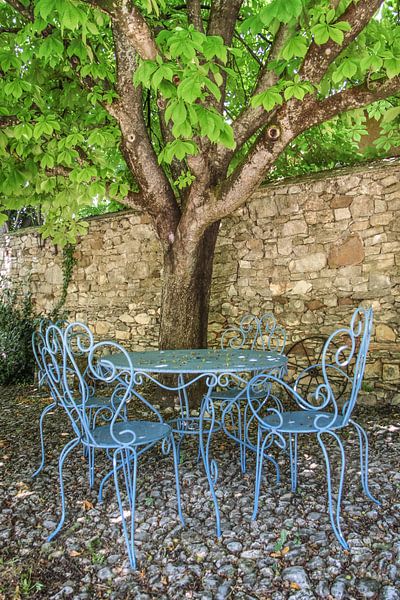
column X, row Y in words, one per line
column 336, row 35
column 214, row 89
column 226, row 137
column 391, row 114
column 44, row 8
column 70, row 15
column 24, row 130
column 179, row 113
column 320, row 33
column 42, row 128
column 268, row 99
column 144, row 72
column 190, row 89
column 392, row 66
column 51, row 47
column 295, row 46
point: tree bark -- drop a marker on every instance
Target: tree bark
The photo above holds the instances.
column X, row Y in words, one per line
column 186, row 292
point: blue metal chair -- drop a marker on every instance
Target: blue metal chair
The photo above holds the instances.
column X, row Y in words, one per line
column 317, row 413
column 255, row 333
column 94, row 401
column 107, row 428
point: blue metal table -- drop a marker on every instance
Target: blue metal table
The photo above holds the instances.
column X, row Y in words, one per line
column 217, row 368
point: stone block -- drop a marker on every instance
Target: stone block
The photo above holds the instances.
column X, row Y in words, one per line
column 379, row 282
column 362, row 206
column 390, row 372
column 142, row 319
column 301, row 288
column 349, row 252
column 262, row 208
column 384, row 333
column 310, row 263
column 294, row 227
column 285, row 246
column 286, row 205
column 54, row 275
column 381, row 219
column 342, row 214
column 341, row 201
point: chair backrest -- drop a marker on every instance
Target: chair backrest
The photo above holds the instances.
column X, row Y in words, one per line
column 38, row 342
column 343, row 356
column 304, row 357
column 68, row 356
column 343, row 346
column 352, row 346
column 255, row 333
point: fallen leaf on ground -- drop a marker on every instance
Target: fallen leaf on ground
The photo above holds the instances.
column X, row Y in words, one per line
column 87, row 505
column 295, row 586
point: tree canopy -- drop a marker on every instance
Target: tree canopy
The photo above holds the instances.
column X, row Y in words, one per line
column 132, row 101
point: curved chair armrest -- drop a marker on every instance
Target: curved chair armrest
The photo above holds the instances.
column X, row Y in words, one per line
column 309, row 369
column 323, row 393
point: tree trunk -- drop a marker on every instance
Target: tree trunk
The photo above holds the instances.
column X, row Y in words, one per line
column 186, row 293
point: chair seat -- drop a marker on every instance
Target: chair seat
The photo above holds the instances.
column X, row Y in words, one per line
column 98, row 402
column 231, row 393
column 146, row 432
column 302, row 421
column 228, row 394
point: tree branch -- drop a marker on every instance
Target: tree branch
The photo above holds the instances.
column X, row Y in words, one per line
column 194, row 14
column 136, row 30
column 157, row 196
column 318, row 58
column 26, row 12
column 250, row 120
column 223, row 17
column 291, row 120
column 9, row 121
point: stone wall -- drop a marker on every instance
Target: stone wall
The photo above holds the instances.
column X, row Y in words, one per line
column 309, row 249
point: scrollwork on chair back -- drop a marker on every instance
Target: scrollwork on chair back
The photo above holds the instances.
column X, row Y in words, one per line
column 49, row 347
column 77, row 343
column 350, row 344
column 255, row 333
column 360, row 332
column 265, row 407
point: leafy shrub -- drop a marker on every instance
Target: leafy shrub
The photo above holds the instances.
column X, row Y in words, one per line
column 17, row 323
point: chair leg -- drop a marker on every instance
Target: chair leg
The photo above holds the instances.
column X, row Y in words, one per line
column 175, row 452
column 364, row 455
column 293, row 459
column 64, row 453
column 127, row 457
column 91, row 466
column 42, row 416
column 334, row 515
column 259, row 465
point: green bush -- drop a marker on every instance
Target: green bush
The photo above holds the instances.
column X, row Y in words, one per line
column 17, row 323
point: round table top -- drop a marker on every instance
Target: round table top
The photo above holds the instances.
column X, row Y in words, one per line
column 200, row 361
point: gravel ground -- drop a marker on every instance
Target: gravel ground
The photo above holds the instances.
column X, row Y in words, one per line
column 289, row 552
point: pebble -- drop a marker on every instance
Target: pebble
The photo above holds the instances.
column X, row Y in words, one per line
column 296, row 575
column 368, row 588
column 105, row 574
column 289, row 546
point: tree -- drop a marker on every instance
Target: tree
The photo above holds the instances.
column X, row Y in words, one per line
column 182, row 109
